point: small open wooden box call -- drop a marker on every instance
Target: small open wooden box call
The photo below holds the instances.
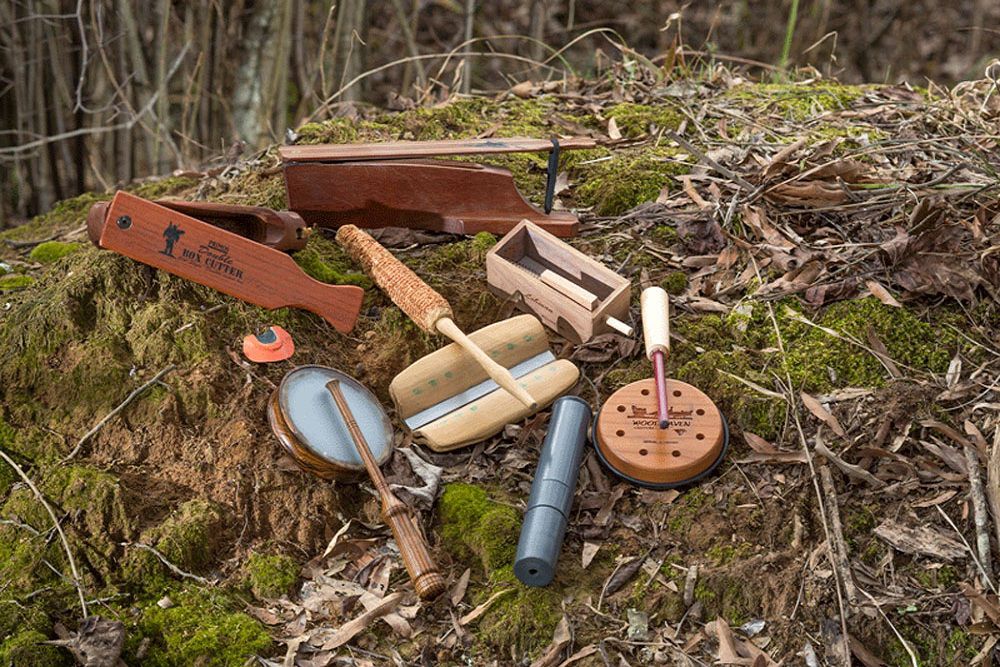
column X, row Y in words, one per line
column 568, row 291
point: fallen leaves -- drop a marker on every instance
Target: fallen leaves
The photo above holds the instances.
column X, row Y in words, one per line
column 349, row 630
column 821, row 413
column 484, row 607
column 920, row 540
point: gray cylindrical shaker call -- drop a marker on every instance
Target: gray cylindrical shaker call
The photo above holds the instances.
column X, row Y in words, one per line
column 552, row 492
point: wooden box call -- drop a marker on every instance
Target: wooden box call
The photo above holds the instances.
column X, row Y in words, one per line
column 281, row 230
column 195, row 250
column 568, row 291
column 398, row 184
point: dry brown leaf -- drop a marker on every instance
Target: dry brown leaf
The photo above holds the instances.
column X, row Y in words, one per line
column 604, row 514
column 881, row 352
column 395, row 621
column 954, row 372
column 946, row 431
column 589, row 551
column 780, row 159
column 776, row 457
column 560, row 640
column 458, row 592
column 692, row 193
column 821, row 413
column 922, row 540
column 728, row 654
column 939, row 499
column 981, row 600
column 585, row 652
column 882, row 294
column 759, row 444
column 861, row 652
column 524, row 89
column 265, row 616
column 613, row 132
column 349, row 630
column 813, row 194
column 484, row 607
column 851, row 470
column 623, row 574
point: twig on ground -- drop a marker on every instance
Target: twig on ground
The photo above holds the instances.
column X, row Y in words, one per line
column 170, row 566
column 993, row 481
column 793, row 404
column 838, row 547
column 906, row 645
column 968, row 547
column 55, row 522
column 121, row 406
column 980, row 514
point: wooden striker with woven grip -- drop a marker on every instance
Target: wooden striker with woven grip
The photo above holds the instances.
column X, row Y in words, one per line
column 427, row 580
column 428, row 309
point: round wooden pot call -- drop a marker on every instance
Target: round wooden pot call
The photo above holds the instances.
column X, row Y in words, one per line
column 629, row 441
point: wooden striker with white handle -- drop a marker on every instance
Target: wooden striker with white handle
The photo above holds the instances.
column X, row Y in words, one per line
column 655, row 320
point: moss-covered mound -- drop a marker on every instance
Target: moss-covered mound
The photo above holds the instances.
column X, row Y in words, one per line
column 186, row 519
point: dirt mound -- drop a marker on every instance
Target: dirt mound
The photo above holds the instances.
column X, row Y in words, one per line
column 828, row 248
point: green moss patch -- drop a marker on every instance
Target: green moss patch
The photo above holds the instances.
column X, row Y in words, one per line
column 191, row 536
column 472, row 524
column 797, row 101
column 326, row 261
column 271, row 576
column 934, row 645
column 716, row 349
column 26, row 648
column 52, row 251
column 818, row 361
column 169, row 186
column 16, row 282
column 636, row 120
column 626, row 179
column 675, row 283
column 62, row 217
column 201, row 627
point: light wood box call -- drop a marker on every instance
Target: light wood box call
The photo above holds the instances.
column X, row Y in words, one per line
column 572, row 294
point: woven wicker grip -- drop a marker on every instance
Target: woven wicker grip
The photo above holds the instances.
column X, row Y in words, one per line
column 414, row 297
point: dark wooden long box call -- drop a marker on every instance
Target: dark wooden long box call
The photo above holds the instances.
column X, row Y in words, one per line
column 399, row 184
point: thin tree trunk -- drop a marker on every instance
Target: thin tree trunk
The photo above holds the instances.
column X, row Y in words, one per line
column 470, row 19
column 539, row 15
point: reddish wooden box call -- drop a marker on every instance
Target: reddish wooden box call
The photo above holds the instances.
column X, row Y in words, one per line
column 397, row 185
column 164, row 238
column 281, row 230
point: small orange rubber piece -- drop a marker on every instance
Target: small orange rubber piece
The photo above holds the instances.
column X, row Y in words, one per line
column 272, row 344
